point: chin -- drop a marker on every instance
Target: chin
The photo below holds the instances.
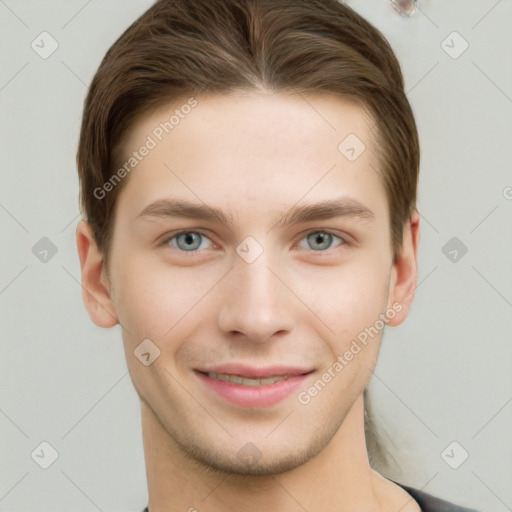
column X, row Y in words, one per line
column 251, row 461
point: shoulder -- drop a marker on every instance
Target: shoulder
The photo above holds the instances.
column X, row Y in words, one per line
column 429, row 503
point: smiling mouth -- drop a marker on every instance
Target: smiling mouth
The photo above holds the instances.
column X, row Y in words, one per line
column 244, row 381
column 255, row 387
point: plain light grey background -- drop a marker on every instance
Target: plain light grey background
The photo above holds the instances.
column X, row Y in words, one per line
column 443, row 377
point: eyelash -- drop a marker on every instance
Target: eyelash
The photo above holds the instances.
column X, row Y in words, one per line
column 343, row 244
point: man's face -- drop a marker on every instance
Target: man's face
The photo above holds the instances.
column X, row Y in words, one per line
column 256, row 291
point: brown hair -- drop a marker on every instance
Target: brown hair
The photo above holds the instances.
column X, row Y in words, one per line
column 185, row 47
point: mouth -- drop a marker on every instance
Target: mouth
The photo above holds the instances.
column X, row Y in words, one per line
column 244, row 381
column 252, row 387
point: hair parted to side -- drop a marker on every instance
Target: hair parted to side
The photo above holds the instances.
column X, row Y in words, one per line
column 181, row 48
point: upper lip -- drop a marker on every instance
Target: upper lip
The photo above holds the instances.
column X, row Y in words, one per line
column 255, row 372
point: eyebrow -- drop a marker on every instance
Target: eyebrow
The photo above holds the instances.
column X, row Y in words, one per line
column 342, row 207
column 181, row 208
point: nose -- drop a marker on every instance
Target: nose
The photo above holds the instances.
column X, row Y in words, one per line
column 257, row 304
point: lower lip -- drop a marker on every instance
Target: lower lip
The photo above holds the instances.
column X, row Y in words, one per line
column 254, row 396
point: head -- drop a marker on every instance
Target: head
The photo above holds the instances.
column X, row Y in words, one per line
column 248, row 175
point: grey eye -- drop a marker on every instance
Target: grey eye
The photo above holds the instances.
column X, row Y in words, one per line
column 320, row 241
column 189, row 241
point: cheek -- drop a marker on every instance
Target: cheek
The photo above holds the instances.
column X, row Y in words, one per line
column 352, row 304
column 152, row 301
column 349, row 298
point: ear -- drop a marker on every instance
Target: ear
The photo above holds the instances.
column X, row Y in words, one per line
column 404, row 273
column 95, row 283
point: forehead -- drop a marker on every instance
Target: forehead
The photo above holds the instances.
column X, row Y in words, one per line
column 270, row 119
column 251, row 151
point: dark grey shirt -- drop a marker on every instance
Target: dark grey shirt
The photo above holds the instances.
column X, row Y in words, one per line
column 429, row 503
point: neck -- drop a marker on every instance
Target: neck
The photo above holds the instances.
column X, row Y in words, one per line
column 338, row 479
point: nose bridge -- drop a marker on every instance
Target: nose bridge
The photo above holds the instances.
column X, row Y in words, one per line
column 256, row 303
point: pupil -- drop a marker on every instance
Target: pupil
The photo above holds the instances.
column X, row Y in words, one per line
column 321, row 240
column 188, row 241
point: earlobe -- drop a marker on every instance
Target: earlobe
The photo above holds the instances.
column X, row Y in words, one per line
column 95, row 285
column 404, row 273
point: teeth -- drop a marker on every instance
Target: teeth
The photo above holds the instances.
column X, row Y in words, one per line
column 236, row 379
